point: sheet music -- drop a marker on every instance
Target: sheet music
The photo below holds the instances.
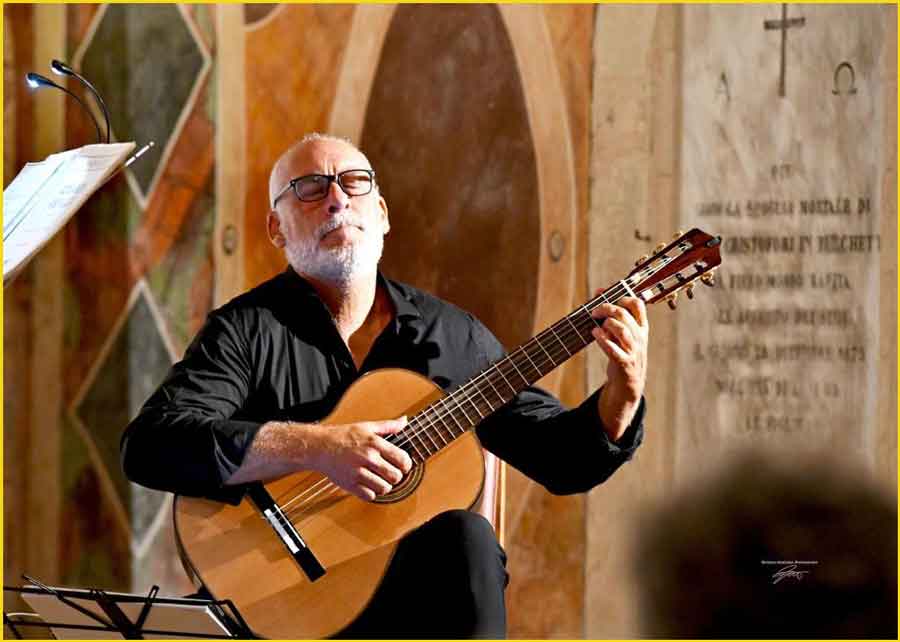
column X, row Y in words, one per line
column 21, row 192
column 45, row 195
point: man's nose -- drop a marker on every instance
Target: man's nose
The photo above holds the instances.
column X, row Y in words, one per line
column 337, row 198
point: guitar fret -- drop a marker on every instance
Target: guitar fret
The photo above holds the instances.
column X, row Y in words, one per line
column 545, row 352
column 469, row 399
column 424, row 445
column 478, row 389
column 430, row 438
column 518, row 372
column 487, row 378
column 447, row 427
column 406, row 435
column 559, row 340
column 538, row 370
column 432, row 424
column 590, row 316
column 441, row 437
column 409, row 439
column 463, row 410
column 500, row 372
column 452, row 416
column 577, row 333
column 585, row 325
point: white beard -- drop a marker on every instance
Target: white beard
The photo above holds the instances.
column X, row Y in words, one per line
column 339, row 265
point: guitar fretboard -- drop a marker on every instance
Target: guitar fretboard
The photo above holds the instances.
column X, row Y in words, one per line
column 448, row 418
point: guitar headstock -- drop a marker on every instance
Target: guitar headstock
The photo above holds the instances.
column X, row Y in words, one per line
column 675, row 266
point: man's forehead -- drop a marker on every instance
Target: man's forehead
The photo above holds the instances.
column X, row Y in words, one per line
column 323, row 156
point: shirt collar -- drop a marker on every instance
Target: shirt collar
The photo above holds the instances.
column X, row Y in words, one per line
column 400, row 296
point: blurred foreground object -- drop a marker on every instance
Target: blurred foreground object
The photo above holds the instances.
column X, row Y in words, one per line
column 772, row 547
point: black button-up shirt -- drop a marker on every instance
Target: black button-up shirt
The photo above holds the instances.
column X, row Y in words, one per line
column 274, row 353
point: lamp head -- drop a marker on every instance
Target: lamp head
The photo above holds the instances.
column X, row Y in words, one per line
column 60, row 68
column 36, row 80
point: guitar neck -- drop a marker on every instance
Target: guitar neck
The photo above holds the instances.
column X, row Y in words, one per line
column 462, row 409
column 674, row 267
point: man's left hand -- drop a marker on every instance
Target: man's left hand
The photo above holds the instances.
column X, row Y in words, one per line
column 623, row 336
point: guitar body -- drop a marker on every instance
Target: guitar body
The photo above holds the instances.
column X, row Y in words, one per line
column 238, row 555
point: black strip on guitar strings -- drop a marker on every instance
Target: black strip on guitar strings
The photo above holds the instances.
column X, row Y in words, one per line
column 303, row 555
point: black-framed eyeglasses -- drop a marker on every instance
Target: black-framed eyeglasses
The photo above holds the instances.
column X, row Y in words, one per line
column 314, row 187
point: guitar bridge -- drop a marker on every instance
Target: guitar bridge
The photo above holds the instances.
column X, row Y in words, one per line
column 286, row 532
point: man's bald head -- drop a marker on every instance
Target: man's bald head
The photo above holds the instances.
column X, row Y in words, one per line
column 337, row 235
column 289, row 165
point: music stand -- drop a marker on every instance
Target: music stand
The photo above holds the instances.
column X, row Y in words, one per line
column 72, row 613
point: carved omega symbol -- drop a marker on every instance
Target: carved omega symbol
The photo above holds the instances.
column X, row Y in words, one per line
column 846, row 72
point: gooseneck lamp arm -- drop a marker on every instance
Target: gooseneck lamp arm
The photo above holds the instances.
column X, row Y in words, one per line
column 62, row 69
column 36, row 81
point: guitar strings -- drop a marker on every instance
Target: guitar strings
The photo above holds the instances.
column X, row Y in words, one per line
column 306, row 497
column 489, row 374
column 615, row 292
column 323, row 485
column 301, row 509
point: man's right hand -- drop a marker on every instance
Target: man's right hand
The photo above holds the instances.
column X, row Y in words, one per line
column 358, row 458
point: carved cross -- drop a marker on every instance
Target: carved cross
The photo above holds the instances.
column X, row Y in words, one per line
column 784, row 24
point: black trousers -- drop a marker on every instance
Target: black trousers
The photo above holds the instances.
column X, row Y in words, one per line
column 446, row 580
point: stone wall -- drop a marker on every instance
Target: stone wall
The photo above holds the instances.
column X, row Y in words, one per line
column 782, row 140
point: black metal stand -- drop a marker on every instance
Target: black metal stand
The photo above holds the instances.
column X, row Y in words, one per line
column 106, row 612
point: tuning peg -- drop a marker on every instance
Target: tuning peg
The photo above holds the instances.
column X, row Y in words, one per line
column 672, row 300
column 709, row 278
column 678, row 235
column 659, row 247
column 689, row 291
column 642, row 259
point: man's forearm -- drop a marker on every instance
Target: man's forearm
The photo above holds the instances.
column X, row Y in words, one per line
column 279, row 448
column 616, row 411
column 355, row 456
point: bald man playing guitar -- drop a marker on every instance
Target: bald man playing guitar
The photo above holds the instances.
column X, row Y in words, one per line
column 244, row 405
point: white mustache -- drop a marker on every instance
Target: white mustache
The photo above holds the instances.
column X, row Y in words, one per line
column 338, row 221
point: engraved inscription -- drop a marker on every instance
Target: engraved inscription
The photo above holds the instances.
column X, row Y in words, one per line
column 788, row 350
column 794, row 265
column 762, row 207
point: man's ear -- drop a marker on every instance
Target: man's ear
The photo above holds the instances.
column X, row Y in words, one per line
column 273, row 227
column 382, row 204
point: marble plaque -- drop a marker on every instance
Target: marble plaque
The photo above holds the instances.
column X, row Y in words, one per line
column 783, row 135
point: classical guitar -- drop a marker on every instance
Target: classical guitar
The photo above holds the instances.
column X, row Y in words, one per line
column 301, row 558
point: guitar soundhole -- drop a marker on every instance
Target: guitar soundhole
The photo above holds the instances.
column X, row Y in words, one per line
column 406, row 486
